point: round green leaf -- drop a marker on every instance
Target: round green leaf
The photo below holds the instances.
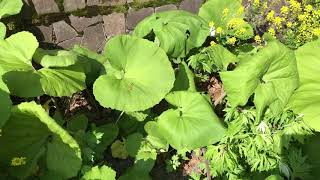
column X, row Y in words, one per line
column 29, row 133
column 10, row 7
column 192, row 124
column 138, row 77
column 3, row 31
column 306, row 99
column 177, row 31
column 17, row 50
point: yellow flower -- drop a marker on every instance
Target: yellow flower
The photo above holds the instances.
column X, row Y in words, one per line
column 257, row 38
column 272, row 32
column 289, row 24
column 212, row 43
column 235, row 22
column 219, row 30
column 225, row 12
column 284, row 10
column 295, row 6
column 256, row 3
column 309, row 8
column 241, row 31
column 270, row 15
column 231, row 41
column 241, row 10
column 316, row 32
column 302, row 17
column 277, row 21
column 211, row 24
column 18, row 161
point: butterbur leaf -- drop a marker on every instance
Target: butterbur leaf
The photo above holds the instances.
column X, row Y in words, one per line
column 274, row 177
column 55, row 58
column 17, row 50
column 91, row 62
column 101, row 173
column 31, row 132
column 119, row 150
column 5, row 103
column 174, row 34
column 222, row 13
column 155, row 137
column 3, row 31
column 193, row 121
column 306, row 99
column 10, row 7
column 77, row 123
column 271, row 74
column 23, row 83
column 62, row 81
column 139, row 72
column 184, row 79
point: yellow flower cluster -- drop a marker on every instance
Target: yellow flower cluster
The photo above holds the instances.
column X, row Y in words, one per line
column 18, row 161
column 235, row 22
column 231, row 41
column 225, row 12
column 257, row 39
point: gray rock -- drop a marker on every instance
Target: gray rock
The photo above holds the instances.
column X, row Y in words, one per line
column 134, row 17
column 73, row 5
column 63, row 31
column 105, row 2
column 68, row 44
column 192, row 6
column 26, row 11
column 114, row 24
column 80, row 23
column 165, row 8
column 45, row 6
column 43, row 33
column 93, row 37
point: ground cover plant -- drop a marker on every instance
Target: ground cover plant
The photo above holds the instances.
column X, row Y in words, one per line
column 230, row 93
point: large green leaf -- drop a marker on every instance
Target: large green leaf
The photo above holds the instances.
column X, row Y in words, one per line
column 92, row 63
column 222, row 13
column 138, row 77
column 192, row 124
column 62, row 81
column 271, row 74
column 23, row 80
column 17, row 50
column 10, row 7
column 101, row 173
column 177, row 31
column 306, row 99
column 55, row 58
column 184, row 79
column 5, row 103
column 3, row 31
column 30, row 133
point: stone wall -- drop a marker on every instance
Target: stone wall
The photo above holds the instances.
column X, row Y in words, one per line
column 90, row 23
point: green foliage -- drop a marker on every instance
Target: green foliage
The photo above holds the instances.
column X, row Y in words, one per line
column 10, row 7
column 306, row 98
column 30, row 134
column 151, row 107
column 101, row 173
column 227, row 15
column 173, row 33
column 127, row 82
column 271, row 74
column 192, row 112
